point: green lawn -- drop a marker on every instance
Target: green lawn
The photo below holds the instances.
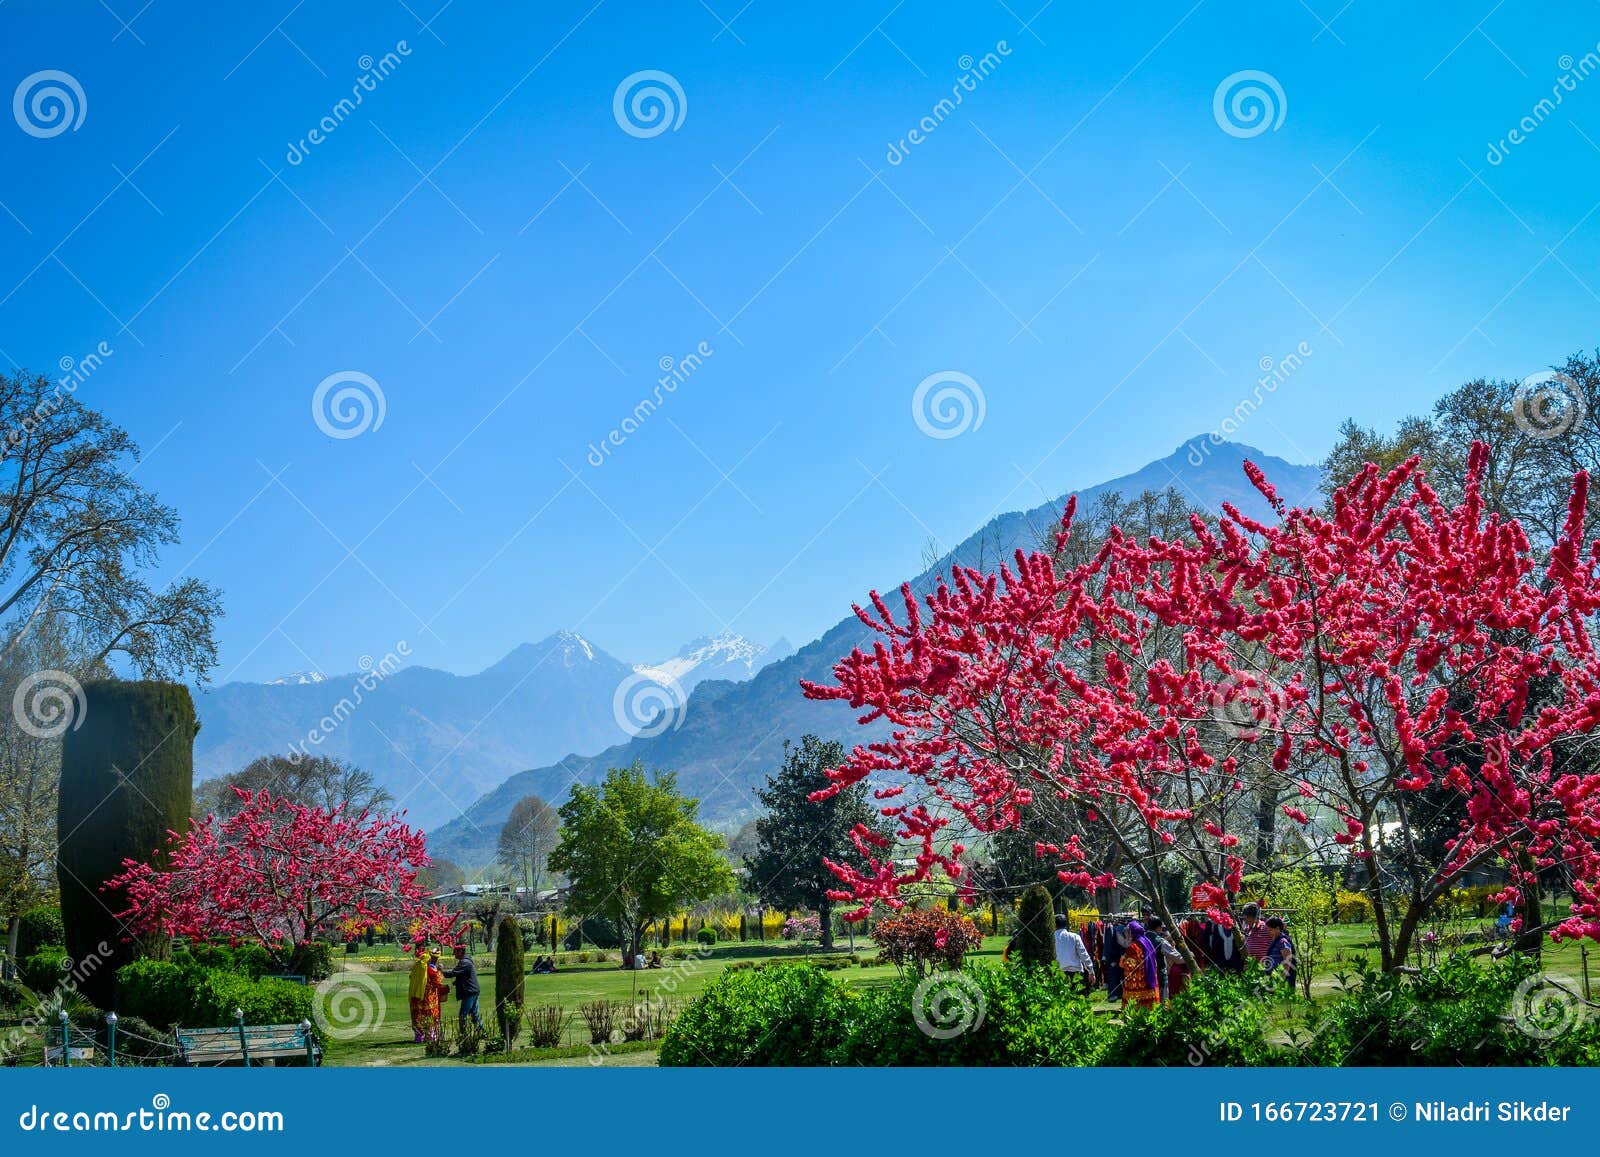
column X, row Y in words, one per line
column 388, row 1041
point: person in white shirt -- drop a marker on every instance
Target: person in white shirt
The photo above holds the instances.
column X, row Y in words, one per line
column 1072, row 956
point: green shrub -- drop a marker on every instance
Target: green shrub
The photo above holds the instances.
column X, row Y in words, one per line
column 250, row 960
column 1454, row 1014
column 1036, row 938
column 312, row 960
column 42, row 971
column 166, row 993
column 39, row 928
column 981, row 1016
column 706, row 935
column 14, row 996
column 789, row 1015
column 140, row 1043
column 158, row 991
column 1217, row 1020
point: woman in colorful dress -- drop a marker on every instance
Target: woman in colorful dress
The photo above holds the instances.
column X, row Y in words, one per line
column 418, row 990
column 437, row 987
column 1140, row 984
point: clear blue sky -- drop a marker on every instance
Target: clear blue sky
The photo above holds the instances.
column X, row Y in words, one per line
column 484, row 240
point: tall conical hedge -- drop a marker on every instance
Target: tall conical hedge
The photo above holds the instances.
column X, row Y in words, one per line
column 508, row 977
column 127, row 778
column 1036, row 939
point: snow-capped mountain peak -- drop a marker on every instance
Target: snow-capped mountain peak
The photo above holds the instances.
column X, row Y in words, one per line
column 297, row 679
column 723, row 656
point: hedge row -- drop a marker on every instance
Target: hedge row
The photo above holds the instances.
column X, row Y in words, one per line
column 985, row 1015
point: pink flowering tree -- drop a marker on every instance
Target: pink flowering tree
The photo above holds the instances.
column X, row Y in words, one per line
column 1376, row 665
column 276, row 873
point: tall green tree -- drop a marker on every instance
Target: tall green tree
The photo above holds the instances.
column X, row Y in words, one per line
column 796, row 835
column 634, row 852
column 526, row 840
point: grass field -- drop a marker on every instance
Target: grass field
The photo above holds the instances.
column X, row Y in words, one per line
column 388, row 1039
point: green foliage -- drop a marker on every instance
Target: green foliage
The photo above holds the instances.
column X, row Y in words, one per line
column 508, row 978
column 38, row 927
column 126, row 780
column 312, row 960
column 786, row 870
column 1217, row 1020
column 706, row 935
column 42, row 971
column 14, row 996
column 1036, row 938
column 165, row 992
column 158, row 991
column 1459, row 1013
column 251, row 960
column 634, row 852
column 141, row 1043
column 788, row 1015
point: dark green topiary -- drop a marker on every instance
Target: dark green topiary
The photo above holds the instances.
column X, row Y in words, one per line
column 1036, row 938
column 127, row 773
column 508, row 977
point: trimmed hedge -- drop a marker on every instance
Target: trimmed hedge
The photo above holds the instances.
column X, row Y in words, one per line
column 127, row 775
column 42, row 971
column 167, row 992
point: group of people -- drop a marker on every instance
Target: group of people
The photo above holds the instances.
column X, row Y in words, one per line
column 1138, row 963
column 428, row 992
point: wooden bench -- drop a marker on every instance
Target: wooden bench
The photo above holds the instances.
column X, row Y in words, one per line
column 248, row 1045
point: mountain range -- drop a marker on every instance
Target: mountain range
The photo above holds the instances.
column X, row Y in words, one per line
column 438, row 741
column 730, row 735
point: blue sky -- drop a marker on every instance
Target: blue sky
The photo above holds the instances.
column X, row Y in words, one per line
column 483, row 240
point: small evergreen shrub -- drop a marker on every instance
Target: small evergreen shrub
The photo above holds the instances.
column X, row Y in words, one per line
column 39, row 928
column 1036, row 937
column 706, row 935
column 1217, row 1020
column 42, row 971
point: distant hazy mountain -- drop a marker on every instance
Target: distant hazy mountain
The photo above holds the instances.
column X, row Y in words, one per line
column 438, row 741
column 731, row 735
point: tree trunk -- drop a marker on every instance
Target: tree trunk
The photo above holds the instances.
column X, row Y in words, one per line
column 825, row 918
column 13, row 928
